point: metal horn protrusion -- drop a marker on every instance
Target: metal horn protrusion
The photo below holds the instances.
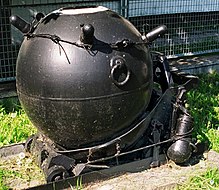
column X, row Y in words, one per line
column 156, row 33
column 87, row 34
column 20, row 24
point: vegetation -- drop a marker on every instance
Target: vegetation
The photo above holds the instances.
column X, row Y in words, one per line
column 204, row 107
column 14, row 123
column 2, row 176
column 14, row 127
column 208, row 180
column 20, row 172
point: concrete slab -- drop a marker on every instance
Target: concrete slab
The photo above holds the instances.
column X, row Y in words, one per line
column 196, row 64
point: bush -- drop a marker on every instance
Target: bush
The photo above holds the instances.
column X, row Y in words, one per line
column 203, row 104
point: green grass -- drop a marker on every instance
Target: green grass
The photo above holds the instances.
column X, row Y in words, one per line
column 79, row 185
column 2, row 176
column 208, row 180
column 204, row 107
column 14, row 127
column 19, row 172
column 14, row 123
column 6, row 174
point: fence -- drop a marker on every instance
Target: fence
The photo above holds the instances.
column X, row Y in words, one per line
column 193, row 25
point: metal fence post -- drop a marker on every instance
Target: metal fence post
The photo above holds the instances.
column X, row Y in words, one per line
column 125, row 8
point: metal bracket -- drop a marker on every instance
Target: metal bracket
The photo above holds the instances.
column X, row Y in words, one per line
column 161, row 71
column 157, row 126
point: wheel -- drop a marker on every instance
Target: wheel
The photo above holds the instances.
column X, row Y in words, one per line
column 56, row 173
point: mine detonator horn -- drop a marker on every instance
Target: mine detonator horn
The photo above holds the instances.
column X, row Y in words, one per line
column 87, row 34
column 155, row 33
column 23, row 25
column 20, row 24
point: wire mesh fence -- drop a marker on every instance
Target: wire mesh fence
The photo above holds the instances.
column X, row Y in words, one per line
column 11, row 38
column 193, row 25
column 7, row 55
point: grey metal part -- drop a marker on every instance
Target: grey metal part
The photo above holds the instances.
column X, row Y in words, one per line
column 104, row 174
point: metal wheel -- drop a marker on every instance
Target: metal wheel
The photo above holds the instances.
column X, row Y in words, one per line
column 56, row 173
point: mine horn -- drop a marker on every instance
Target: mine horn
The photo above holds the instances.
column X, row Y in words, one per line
column 20, row 24
column 155, row 33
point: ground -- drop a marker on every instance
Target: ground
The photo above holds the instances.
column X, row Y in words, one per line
column 167, row 176
column 196, row 64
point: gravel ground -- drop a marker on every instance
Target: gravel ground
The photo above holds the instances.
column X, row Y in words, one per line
column 167, row 176
column 21, row 171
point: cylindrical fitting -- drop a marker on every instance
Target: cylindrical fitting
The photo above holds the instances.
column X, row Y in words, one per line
column 156, row 32
column 181, row 150
column 20, row 24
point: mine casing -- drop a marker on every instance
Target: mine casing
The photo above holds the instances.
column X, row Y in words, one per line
column 83, row 93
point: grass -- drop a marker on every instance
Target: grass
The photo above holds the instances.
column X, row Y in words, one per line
column 7, row 174
column 79, row 185
column 208, row 180
column 3, row 175
column 19, row 173
column 204, row 107
column 14, row 124
column 14, row 127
